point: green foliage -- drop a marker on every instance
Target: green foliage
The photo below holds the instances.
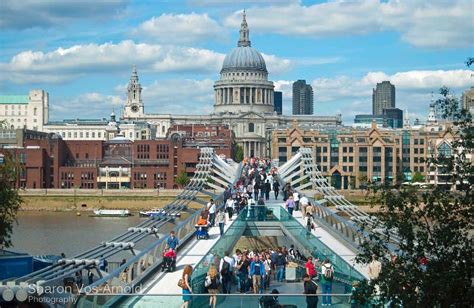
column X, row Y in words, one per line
column 433, row 225
column 182, row 179
column 9, row 200
column 239, row 153
column 417, row 177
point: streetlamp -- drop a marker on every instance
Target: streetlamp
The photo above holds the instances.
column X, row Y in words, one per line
column 158, row 184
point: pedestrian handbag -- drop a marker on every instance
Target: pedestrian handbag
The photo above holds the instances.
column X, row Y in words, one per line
column 182, row 284
column 208, row 282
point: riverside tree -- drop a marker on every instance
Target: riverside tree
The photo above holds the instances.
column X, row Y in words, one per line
column 431, row 263
column 9, row 199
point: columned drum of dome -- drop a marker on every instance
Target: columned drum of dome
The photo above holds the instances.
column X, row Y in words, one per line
column 244, row 85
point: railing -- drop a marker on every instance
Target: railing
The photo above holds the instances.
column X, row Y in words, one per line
column 344, row 272
column 145, row 258
column 224, row 245
column 223, row 300
column 301, row 172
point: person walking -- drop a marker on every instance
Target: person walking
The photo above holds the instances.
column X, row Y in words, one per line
column 221, row 221
column 303, row 204
column 280, row 265
column 327, row 275
column 276, row 188
column 172, row 240
column 211, row 206
column 310, row 269
column 256, row 188
column 226, row 267
column 311, row 289
column 243, row 267
column 268, row 188
column 290, row 205
column 212, row 284
column 229, row 207
column 268, row 271
column 257, row 272
column 296, row 198
column 375, row 267
column 185, row 284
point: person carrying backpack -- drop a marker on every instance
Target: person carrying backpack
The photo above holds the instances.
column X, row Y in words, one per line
column 327, row 276
column 225, row 268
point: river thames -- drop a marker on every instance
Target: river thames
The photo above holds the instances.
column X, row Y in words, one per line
column 51, row 233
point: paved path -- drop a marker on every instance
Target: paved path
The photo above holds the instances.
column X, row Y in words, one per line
column 337, row 246
column 167, row 283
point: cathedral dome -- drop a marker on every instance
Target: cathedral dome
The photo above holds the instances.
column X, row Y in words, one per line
column 244, row 58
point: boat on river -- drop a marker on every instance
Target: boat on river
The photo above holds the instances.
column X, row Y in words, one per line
column 111, row 213
column 157, row 212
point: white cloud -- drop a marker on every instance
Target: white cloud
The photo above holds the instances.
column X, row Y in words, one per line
column 85, row 105
column 277, row 65
column 180, row 28
column 188, row 96
column 64, row 64
column 350, row 96
column 423, row 24
column 26, row 14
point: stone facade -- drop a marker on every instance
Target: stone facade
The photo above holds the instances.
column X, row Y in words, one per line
column 351, row 157
column 244, row 101
column 25, row 111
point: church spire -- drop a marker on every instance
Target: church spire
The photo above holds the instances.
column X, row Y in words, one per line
column 134, row 77
column 244, row 40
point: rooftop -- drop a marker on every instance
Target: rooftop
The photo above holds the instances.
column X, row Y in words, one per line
column 14, row 99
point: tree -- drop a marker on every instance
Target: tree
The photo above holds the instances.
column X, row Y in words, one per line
column 9, row 199
column 182, row 179
column 417, row 177
column 239, row 153
column 431, row 263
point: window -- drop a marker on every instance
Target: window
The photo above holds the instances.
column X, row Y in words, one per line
column 251, row 127
column 444, row 150
column 35, row 111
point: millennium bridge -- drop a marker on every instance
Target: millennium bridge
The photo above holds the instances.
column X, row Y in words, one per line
column 339, row 232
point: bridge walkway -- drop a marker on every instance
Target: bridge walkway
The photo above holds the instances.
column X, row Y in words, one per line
column 344, row 251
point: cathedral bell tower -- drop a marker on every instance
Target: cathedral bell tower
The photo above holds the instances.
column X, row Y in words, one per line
column 134, row 106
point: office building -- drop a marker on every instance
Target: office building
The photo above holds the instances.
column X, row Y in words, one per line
column 353, row 157
column 302, row 98
column 278, row 101
column 468, row 99
column 383, row 96
column 393, row 117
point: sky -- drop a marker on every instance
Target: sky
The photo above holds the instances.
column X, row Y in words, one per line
column 82, row 52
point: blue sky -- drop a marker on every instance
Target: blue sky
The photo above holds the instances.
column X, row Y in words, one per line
column 82, row 52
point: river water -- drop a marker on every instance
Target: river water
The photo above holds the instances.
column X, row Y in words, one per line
column 44, row 233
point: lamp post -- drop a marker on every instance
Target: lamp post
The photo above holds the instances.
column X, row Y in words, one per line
column 158, row 184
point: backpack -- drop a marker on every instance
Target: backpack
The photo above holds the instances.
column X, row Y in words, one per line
column 225, row 268
column 328, row 272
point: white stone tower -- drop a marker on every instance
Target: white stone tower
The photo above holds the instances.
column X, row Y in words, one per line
column 134, row 106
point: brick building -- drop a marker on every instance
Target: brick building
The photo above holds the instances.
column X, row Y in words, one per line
column 351, row 157
column 48, row 161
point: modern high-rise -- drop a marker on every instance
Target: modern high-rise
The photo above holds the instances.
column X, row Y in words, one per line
column 383, row 96
column 302, row 98
column 468, row 99
column 278, row 102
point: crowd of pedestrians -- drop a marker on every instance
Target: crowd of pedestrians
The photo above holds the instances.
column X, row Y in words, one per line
column 255, row 271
